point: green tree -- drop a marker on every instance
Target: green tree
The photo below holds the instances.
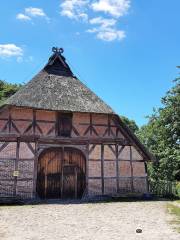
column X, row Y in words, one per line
column 130, row 123
column 162, row 136
column 7, row 90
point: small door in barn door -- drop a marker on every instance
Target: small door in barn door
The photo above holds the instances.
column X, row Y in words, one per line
column 69, row 181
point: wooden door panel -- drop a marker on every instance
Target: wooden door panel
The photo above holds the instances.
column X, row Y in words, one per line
column 61, row 174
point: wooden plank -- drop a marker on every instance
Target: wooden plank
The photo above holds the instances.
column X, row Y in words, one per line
column 112, row 133
column 99, row 160
column 87, row 168
column 28, row 128
column 35, row 171
column 30, row 148
column 75, row 131
column 45, row 121
column 102, row 167
column 105, row 132
column 120, row 150
column 94, row 130
column 120, row 177
column 3, row 146
column 128, row 160
column 83, row 140
column 62, row 166
column 8, row 138
column 14, row 159
column 86, row 131
column 5, row 126
column 19, row 179
column 15, row 127
column 21, row 120
column 3, row 119
column 132, row 186
column 62, row 140
column 97, row 125
column 99, row 178
column 38, row 127
column 117, row 167
column 45, row 182
column 75, row 191
column 113, row 151
column 51, row 130
column 16, row 167
column 92, row 148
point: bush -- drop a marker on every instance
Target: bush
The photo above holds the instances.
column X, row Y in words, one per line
column 178, row 189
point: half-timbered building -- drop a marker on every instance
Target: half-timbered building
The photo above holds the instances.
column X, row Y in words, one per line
column 60, row 140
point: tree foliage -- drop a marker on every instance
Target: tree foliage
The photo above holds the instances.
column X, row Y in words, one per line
column 162, row 136
column 130, row 123
column 7, row 90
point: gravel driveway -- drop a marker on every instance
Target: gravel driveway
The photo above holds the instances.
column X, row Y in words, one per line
column 106, row 221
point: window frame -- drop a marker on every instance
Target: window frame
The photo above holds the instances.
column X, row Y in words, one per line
column 61, row 131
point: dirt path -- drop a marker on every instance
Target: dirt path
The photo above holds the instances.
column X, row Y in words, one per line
column 105, row 221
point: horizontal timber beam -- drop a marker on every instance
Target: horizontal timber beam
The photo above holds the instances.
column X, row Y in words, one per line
column 60, row 140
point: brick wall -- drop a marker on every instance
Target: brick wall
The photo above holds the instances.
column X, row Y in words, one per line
column 118, row 174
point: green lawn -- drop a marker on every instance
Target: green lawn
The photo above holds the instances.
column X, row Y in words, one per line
column 174, row 208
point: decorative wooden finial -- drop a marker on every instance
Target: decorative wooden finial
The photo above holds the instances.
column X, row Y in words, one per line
column 57, row 50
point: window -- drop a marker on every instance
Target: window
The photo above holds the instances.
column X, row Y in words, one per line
column 64, row 124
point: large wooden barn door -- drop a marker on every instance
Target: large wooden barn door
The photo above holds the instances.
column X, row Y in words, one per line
column 61, row 173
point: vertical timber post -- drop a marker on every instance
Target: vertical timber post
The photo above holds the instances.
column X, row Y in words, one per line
column 16, row 167
column 132, row 185
column 117, row 168
column 35, row 169
column 62, row 167
column 87, row 169
column 102, row 167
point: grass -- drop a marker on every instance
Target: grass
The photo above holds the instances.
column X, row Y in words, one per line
column 175, row 210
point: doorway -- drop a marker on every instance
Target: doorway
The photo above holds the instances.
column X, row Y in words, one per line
column 61, row 173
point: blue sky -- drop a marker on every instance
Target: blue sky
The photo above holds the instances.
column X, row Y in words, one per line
column 124, row 50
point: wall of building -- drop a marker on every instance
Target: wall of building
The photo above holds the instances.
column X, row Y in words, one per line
column 17, row 156
column 111, row 168
column 116, row 169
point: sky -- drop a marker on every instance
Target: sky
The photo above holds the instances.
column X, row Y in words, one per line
column 126, row 51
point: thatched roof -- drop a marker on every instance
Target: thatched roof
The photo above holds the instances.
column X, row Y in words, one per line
column 56, row 88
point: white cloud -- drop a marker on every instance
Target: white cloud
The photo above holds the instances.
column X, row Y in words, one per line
column 104, row 22
column 74, row 9
column 23, row 17
column 35, row 12
column 105, row 28
column 32, row 12
column 111, row 35
column 10, row 50
column 116, row 8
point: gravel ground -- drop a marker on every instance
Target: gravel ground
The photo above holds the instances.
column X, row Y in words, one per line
column 95, row 221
